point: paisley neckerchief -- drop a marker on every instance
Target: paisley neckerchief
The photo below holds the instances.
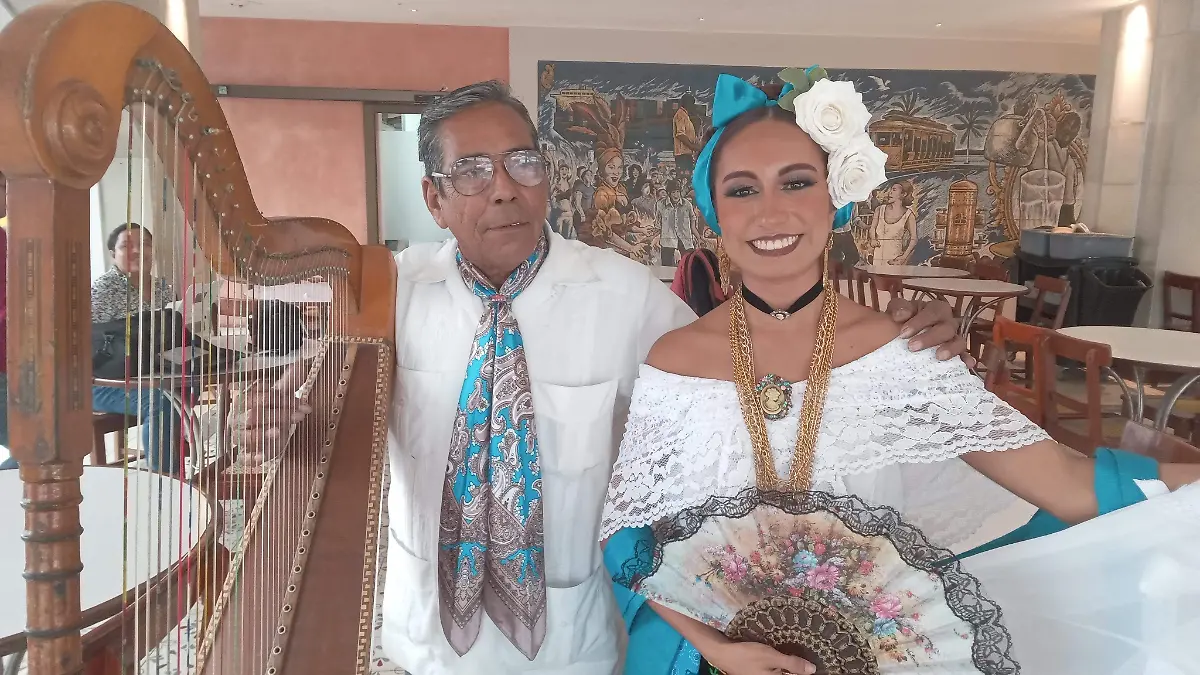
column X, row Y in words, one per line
column 490, row 551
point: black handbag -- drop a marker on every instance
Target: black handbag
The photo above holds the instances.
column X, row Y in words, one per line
column 276, row 327
column 150, row 333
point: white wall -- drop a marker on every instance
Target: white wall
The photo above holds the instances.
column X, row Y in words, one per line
column 529, row 45
column 403, row 214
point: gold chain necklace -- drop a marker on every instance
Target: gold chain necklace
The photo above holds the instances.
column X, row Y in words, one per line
column 742, row 349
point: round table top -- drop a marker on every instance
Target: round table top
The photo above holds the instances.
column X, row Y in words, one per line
column 167, row 519
column 1151, row 346
column 977, row 287
column 914, row 272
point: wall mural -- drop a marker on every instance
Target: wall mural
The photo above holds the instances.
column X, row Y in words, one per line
column 974, row 157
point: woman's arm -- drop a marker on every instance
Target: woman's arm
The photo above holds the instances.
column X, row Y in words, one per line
column 1059, row 480
column 910, row 224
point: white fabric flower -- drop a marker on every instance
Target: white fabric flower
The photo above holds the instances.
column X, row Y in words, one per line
column 832, row 113
column 855, row 170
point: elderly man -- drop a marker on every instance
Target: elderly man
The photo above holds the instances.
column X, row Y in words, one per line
column 518, row 349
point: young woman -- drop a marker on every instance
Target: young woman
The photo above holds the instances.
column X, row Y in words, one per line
column 784, row 381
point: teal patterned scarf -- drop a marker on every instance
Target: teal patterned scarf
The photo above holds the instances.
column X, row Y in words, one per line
column 490, row 551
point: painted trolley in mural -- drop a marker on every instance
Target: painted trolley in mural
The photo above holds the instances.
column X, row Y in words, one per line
column 974, row 158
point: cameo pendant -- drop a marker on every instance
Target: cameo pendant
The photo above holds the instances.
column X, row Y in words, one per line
column 774, row 397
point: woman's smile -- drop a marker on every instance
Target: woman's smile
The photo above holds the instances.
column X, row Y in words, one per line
column 775, row 245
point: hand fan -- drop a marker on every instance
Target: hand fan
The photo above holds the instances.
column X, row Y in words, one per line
column 850, row 587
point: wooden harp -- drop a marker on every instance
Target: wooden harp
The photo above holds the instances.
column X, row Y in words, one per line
column 101, row 93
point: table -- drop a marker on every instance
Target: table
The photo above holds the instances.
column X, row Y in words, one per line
column 914, row 272
column 986, row 292
column 1148, row 349
column 157, row 537
column 179, row 388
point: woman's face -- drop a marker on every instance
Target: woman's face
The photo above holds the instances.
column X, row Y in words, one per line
column 133, row 251
column 613, row 171
column 772, row 200
column 895, row 193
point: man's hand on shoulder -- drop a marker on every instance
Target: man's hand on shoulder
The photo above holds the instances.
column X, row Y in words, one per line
column 930, row 324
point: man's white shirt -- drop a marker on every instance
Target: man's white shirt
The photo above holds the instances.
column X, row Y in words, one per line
column 587, row 320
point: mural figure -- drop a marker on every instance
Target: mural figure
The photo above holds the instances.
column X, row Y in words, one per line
column 677, row 222
column 974, row 157
column 1037, row 155
column 893, row 234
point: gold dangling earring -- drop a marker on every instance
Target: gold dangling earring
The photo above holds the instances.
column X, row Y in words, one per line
column 724, row 268
column 825, row 273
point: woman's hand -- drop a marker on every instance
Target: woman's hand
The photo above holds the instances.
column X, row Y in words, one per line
column 930, row 324
column 751, row 658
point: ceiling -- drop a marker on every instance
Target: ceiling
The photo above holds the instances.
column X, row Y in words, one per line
column 1025, row 20
column 1075, row 21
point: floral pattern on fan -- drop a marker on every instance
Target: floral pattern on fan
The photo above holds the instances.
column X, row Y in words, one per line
column 838, row 572
column 910, row 601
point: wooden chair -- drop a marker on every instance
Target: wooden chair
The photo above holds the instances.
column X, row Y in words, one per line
column 893, row 286
column 839, row 276
column 861, row 290
column 1009, row 337
column 1157, row 445
column 104, row 424
column 1042, row 285
column 1077, row 424
column 1173, row 284
column 981, row 330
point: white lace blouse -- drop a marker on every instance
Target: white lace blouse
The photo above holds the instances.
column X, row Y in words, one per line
column 894, row 425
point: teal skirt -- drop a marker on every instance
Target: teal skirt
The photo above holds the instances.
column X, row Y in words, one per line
column 655, row 648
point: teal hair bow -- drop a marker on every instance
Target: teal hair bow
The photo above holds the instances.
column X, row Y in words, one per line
column 734, row 98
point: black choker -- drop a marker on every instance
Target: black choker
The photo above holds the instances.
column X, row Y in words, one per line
column 781, row 314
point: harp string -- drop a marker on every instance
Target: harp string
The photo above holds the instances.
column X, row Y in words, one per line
column 240, row 590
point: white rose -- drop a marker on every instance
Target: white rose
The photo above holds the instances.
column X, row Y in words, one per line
column 832, row 113
column 855, row 170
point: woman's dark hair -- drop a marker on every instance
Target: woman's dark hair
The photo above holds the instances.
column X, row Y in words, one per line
column 116, row 234
column 907, row 190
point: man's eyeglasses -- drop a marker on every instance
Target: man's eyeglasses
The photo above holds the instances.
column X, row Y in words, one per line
column 471, row 175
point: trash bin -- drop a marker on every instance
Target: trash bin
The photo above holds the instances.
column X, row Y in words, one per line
column 1030, row 266
column 1109, row 296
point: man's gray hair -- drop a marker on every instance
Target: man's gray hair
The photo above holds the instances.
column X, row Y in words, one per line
column 429, row 139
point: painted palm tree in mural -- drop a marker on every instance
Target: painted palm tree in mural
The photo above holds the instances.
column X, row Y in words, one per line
column 909, row 103
column 970, row 125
